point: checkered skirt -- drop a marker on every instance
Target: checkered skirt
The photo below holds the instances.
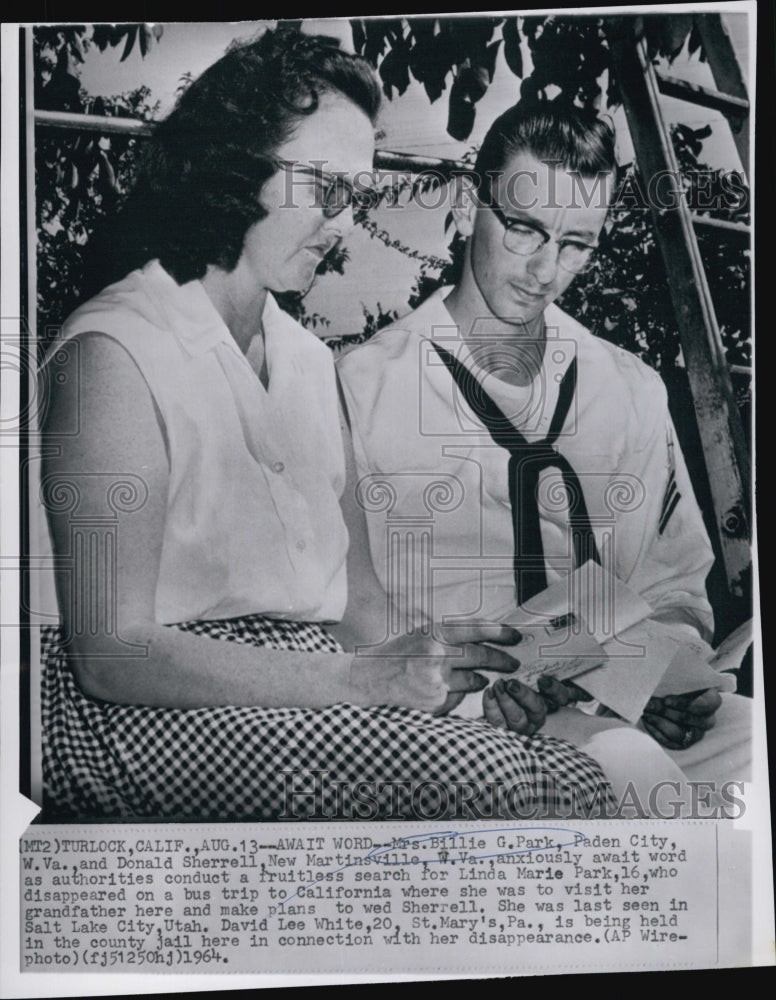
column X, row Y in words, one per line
column 103, row 760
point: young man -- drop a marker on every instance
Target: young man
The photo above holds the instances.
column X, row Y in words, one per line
column 500, row 445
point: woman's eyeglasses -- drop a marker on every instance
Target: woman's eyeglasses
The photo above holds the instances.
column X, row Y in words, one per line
column 333, row 193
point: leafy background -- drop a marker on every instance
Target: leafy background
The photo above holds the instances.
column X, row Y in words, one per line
column 623, row 298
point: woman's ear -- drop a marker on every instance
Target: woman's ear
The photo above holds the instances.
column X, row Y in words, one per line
column 464, row 204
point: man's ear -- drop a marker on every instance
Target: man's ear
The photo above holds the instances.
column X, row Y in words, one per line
column 464, row 204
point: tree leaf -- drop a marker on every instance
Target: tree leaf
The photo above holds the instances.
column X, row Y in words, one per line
column 131, row 35
column 394, row 70
column 378, row 33
column 101, row 36
column 469, row 35
column 460, row 115
column 530, row 91
column 533, row 27
column 694, row 44
column 473, row 81
column 613, row 95
column 434, row 89
column 423, row 29
column 488, row 60
column 107, row 173
column 146, row 37
column 431, row 59
column 512, row 53
column 359, row 35
column 77, row 46
column 677, row 28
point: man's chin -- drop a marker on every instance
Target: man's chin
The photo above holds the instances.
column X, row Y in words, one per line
column 523, row 321
column 511, row 310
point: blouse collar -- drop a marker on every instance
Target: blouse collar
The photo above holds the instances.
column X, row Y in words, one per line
column 191, row 315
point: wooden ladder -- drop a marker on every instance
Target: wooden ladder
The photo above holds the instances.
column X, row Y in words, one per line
column 726, row 453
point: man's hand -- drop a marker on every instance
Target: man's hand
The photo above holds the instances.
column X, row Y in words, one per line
column 680, row 720
column 513, row 705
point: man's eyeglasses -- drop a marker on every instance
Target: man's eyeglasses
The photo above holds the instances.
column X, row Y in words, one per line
column 334, row 194
column 524, row 239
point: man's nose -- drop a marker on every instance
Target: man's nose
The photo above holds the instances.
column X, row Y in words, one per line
column 543, row 264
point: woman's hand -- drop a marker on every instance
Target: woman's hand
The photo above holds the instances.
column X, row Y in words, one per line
column 432, row 674
column 513, row 705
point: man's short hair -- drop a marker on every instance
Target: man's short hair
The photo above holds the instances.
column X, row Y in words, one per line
column 202, row 172
column 571, row 138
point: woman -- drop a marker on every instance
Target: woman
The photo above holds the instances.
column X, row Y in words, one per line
column 199, row 500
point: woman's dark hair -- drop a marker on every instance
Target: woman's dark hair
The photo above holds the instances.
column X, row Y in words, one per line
column 202, row 172
column 571, row 138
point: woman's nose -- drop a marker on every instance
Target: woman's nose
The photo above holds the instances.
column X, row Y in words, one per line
column 341, row 223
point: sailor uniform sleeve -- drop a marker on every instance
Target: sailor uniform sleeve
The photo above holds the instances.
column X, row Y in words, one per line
column 674, row 555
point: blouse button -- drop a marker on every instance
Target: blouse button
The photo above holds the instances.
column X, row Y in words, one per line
column 278, row 466
column 301, row 546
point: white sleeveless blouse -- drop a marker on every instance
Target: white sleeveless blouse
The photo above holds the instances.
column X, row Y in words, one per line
column 253, row 518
